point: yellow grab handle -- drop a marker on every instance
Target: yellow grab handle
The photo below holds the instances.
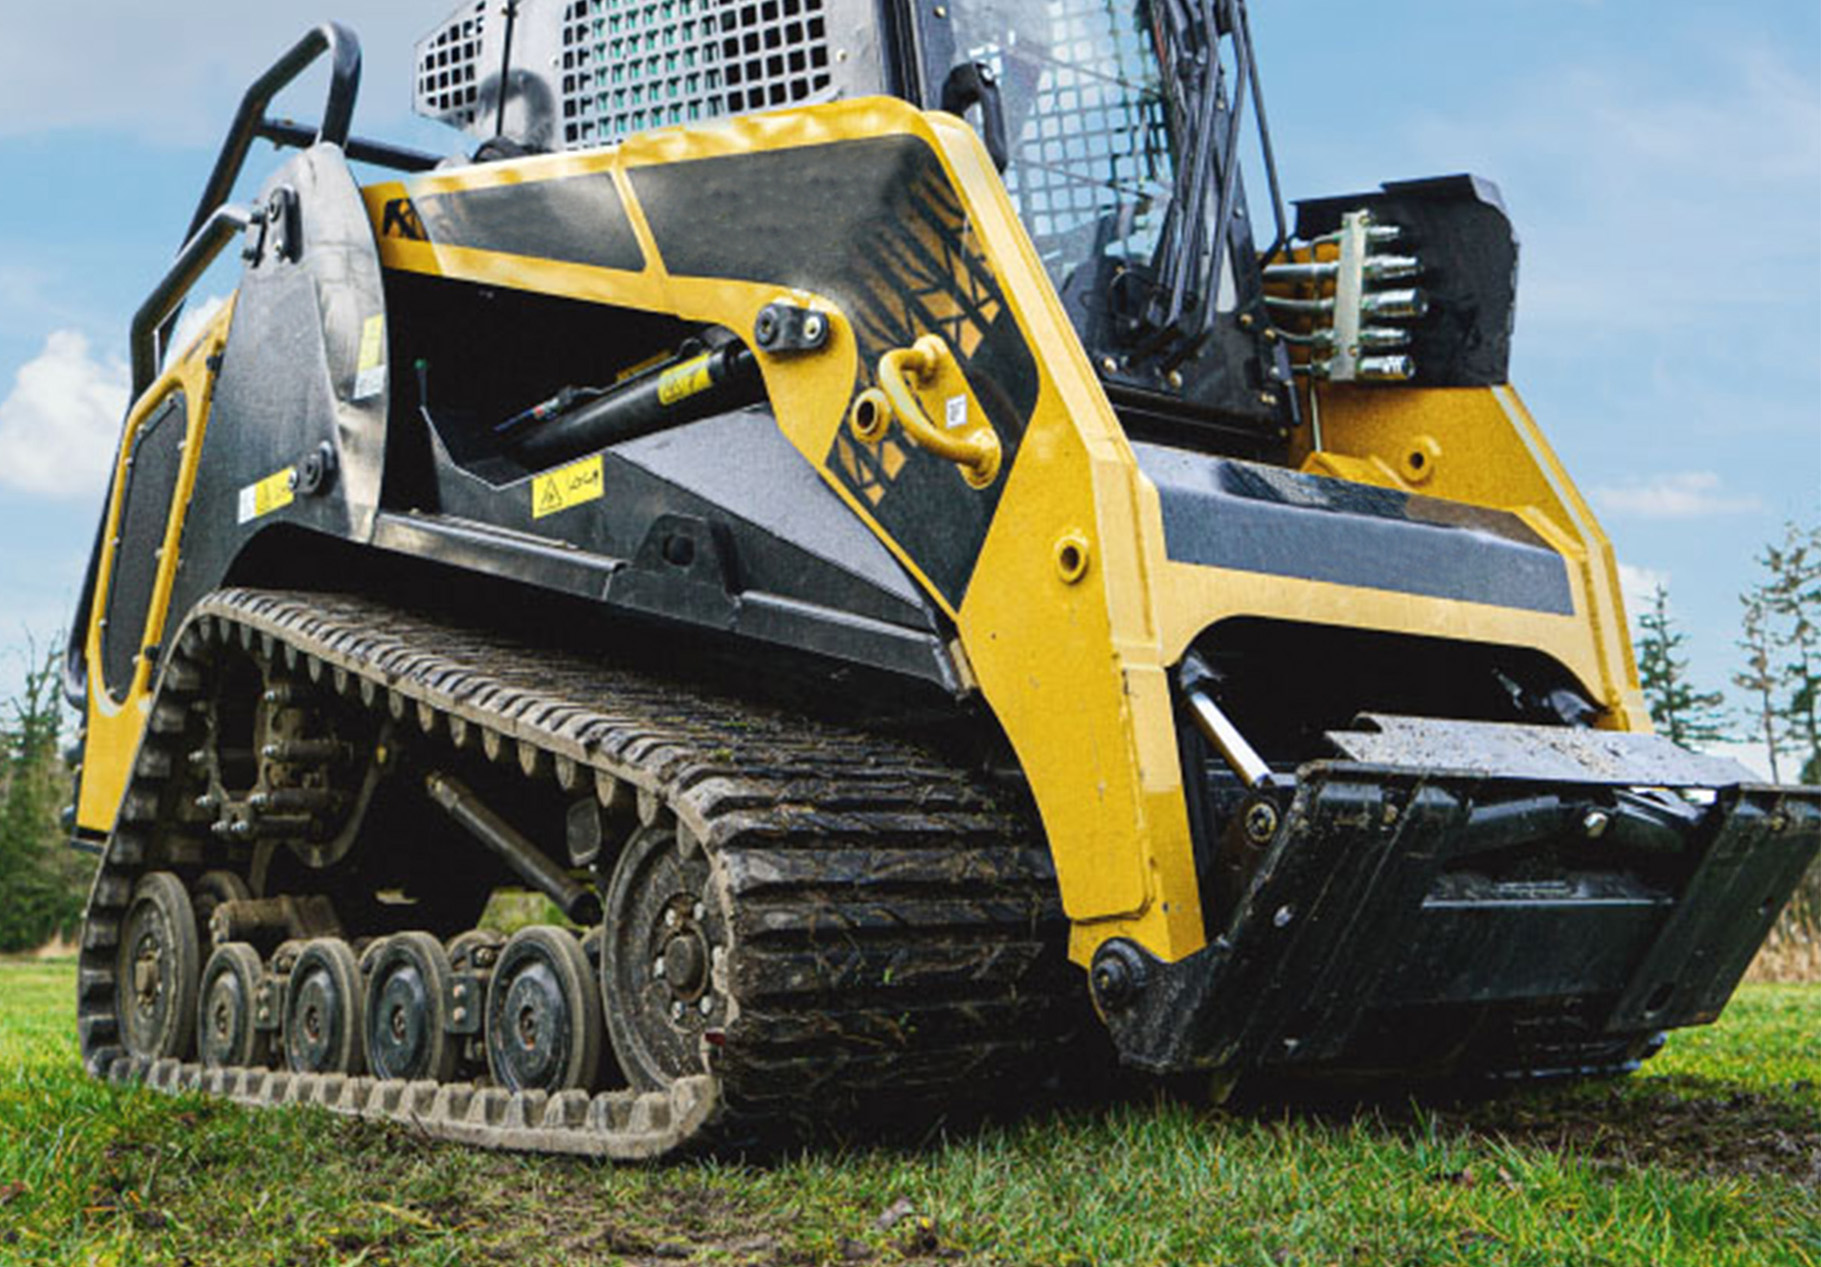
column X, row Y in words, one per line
column 976, row 451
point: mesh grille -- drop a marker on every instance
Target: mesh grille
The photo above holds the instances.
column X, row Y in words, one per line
column 448, row 68
column 629, row 65
column 1086, row 119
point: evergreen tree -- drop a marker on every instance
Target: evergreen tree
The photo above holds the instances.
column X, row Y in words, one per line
column 1684, row 715
column 1792, row 595
column 1759, row 678
column 42, row 882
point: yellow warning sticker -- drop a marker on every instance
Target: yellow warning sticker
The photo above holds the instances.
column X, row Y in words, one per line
column 571, row 486
column 370, row 372
column 372, row 342
column 274, row 492
column 684, row 381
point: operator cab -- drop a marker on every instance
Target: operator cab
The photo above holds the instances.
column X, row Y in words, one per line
column 1114, row 127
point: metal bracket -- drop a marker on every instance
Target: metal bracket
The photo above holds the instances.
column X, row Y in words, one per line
column 464, row 1004
column 782, row 328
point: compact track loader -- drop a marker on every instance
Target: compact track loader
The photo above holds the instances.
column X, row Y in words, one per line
column 889, row 580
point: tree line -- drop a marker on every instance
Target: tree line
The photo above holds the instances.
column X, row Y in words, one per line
column 1779, row 674
column 43, row 882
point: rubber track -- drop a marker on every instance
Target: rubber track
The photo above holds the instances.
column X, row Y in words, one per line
column 896, row 933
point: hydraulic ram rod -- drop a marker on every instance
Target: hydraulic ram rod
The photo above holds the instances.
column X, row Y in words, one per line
column 577, row 901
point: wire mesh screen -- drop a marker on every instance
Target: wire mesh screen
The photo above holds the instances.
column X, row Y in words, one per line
column 629, row 65
column 1090, row 164
column 448, row 67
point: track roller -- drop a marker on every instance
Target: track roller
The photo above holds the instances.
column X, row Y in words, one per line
column 407, row 1010
column 322, row 1016
column 543, row 1014
column 160, row 963
column 228, row 1034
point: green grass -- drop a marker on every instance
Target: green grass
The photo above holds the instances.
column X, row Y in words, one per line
column 1712, row 1157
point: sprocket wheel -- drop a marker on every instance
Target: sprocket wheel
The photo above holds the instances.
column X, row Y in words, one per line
column 663, row 975
column 160, row 961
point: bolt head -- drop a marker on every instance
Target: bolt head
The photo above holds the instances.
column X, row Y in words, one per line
column 460, row 1015
column 700, row 912
column 1595, row 823
column 707, row 1005
column 814, row 326
column 1261, row 822
column 659, row 968
column 671, row 918
column 677, row 1011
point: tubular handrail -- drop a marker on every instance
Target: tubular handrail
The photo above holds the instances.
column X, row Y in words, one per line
column 297, row 136
column 343, row 46
column 223, row 226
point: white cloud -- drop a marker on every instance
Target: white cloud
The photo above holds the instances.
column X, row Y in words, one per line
column 194, row 318
column 1681, row 495
column 61, row 422
column 1638, row 586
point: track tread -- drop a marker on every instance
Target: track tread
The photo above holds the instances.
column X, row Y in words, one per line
column 898, row 929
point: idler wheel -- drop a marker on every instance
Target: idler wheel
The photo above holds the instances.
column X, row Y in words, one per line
column 322, row 1021
column 661, row 974
column 157, row 970
column 407, row 1010
column 543, row 1014
column 227, row 1035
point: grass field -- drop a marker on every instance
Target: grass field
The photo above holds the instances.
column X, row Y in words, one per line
column 1712, row 1157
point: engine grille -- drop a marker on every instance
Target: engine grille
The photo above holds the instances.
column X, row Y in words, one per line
column 629, row 65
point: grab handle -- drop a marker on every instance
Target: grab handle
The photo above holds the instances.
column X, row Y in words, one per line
column 976, row 450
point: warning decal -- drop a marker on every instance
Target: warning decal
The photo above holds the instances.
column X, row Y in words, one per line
column 684, row 381
column 370, row 372
column 562, row 489
column 274, row 492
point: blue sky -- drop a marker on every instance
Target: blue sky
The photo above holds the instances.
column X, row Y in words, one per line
column 1662, row 162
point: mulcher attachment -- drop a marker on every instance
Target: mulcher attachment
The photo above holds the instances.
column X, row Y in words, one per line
column 1473, row 898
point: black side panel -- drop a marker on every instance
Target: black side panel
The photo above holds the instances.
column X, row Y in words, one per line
column 876, row 227
column 152, row 469
column 580, row 220
column 1251, row 518
column 1458, row 227
column 304, row 377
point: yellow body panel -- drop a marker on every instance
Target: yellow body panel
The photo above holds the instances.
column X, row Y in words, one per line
column 1074, row 613
column 1481, row 446
column 114, row 729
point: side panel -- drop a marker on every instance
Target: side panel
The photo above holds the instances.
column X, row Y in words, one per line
column 286, row 397
column 1056, row 572
column 142, row 538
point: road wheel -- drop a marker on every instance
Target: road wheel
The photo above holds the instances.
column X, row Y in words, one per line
column 226, row 1033
column 543, row 1014
column 407, row 1010
column 160, row 961
column 322, row 1019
